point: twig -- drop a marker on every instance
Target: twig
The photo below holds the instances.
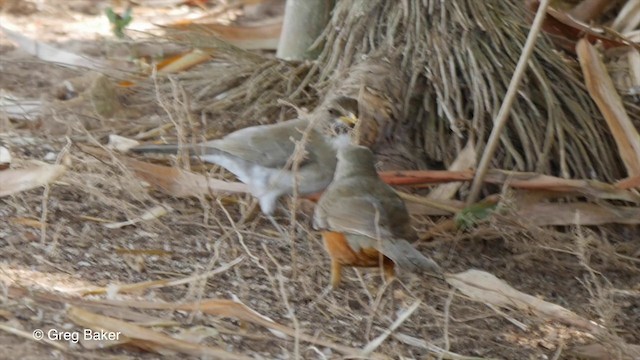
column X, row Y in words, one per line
column 373, row 344
column 503, row 114
column 61, row 159
column 422, row 344
column 299, row 153
column 287, row 305
column 445, row 328
column 558, row 352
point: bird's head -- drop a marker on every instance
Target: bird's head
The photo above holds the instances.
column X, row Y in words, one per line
column 354, row 160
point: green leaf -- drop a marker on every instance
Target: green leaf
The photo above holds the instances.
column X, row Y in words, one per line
column 119, row 22
column 473, row 214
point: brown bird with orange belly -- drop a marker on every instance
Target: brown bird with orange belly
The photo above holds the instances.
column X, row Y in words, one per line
column 364, row 223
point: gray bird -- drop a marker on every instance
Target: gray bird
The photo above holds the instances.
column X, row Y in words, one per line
column 364, row 222
column 260, row 156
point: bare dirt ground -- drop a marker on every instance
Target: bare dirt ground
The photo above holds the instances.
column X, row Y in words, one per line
column 593, row 272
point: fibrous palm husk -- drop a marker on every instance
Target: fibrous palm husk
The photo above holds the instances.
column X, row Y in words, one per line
column 449, row 64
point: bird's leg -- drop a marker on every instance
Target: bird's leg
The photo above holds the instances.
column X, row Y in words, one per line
column 282, row 231
column 250, row 213
column 268, row 205
column 389, row 272
column 336, row 274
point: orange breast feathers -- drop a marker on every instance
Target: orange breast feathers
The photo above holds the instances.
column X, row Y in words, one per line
column 343, row 255
column 340, row 251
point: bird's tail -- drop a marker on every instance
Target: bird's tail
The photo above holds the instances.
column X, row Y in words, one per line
column 405, row 256
column 159, row 149
column 208, row 153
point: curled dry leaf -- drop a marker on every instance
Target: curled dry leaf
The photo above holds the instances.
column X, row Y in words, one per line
column 15, row 181
column 121, row 143
column 605, row 95
column 566, row 30
column 181, row 183
column 144, row 338
column 487, row 288
column 183, row 62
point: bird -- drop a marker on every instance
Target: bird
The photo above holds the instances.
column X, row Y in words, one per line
column 363, row 221
column 262, row 157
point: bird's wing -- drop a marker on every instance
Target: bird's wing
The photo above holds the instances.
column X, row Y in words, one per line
column 358, row 214
column 398, row 217
column 266, row 146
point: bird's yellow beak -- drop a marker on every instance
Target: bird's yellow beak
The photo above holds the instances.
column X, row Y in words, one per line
column 350, row 120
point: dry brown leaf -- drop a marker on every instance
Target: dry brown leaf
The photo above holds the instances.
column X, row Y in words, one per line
column 237, row 310
column 27, row 222
column 234, row 309
column 546, row 214
column 173, row 181
column 183, row 62
column 566, row 30
column 599, row 352
column 250, row 37
column 606, row 97
column 50, row 53
column 160, row 283
column 225, row 308
column 517, row 180
column 15, row 181
column 589, row 10
column 629, row 183
column 487, row 288
column 465, row 160
column 134, row 332
column 181, row 183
